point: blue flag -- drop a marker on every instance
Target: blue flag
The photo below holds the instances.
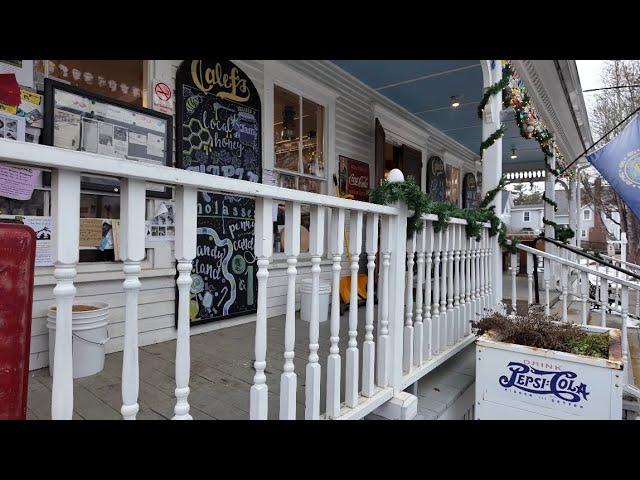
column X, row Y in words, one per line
column 619, row 163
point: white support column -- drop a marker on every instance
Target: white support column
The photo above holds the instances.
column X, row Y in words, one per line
column 574, row 213
column 185, row 252
column 492, row 165
column 529, row 278
column 313, row 372
column 334, row 362
column 486, row 279
column 514, row 272
column 369, row 347
column 407, row 344
column 468, row 292
column 428, row 327
column 472, row 262
column 549, row 214
column 464, row 318
column 288, row 379
column 443, row 329
column 263, row 231
column 584, row 292
column 418, row 337
column 65, row 215
column 132, row 239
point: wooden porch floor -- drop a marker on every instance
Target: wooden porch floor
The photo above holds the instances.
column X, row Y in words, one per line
column 221, row 375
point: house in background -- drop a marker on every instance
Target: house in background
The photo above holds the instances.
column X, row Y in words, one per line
column 529, row 216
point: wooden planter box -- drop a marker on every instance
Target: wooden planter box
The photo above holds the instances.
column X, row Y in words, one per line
column 514, row 382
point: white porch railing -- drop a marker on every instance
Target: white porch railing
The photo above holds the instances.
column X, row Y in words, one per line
column 571, row 272
column 451, row 287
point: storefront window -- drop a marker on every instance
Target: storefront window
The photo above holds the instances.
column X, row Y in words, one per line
column 299, row 154
column 35, row 206
column 119, row 79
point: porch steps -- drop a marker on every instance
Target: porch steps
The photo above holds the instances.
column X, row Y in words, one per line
column 447, row 392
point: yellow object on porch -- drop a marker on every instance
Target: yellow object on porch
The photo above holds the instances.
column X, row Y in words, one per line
column 345, row 288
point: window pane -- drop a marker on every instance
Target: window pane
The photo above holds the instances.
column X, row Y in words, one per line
column 310, row 185
column 287, row 181
column 34, row 206
column 312, row 138
column 286, row 128
column 99, row 206
column 119, row 79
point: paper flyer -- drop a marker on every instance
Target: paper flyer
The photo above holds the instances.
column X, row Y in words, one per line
column 42, row 227
column 12, row 127
column 162, row 226
column 18, row 182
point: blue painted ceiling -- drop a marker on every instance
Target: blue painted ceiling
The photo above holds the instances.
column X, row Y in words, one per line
column 425, row 88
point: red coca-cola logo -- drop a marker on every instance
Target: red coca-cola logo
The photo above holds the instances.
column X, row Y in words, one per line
column 358, row 181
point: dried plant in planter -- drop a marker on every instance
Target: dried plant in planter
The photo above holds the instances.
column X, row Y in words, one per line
column 537, row 330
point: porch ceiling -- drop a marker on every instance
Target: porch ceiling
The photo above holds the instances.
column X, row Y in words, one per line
column 425, row 88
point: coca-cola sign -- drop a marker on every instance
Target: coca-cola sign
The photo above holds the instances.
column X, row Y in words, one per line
column 354, row 178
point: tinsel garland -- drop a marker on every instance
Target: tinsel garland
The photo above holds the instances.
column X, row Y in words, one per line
column 497, row 87
column 492, row 139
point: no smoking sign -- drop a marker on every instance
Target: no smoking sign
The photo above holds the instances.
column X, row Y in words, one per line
column 162, row 97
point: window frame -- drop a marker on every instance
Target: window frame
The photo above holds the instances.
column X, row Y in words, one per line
column 278, row 74
column 586, row 213
column 526, row 216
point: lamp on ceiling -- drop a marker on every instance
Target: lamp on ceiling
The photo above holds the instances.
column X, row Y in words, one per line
column 514, row 155
column 455, row 101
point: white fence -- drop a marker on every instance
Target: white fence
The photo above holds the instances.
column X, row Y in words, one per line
column 413, row 335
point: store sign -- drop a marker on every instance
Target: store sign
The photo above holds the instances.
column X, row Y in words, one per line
column 354, row 178
column 469, row 191
column 436, row 179
column 218, row 114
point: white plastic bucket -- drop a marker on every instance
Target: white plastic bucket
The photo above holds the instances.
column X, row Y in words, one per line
column 306, row 287
column 89, row 338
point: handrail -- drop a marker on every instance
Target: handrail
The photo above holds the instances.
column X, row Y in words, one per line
column 47, row 157
column 577, row 266
column 591, row 257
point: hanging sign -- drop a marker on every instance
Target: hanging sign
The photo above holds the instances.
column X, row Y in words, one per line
column 469, row 191
column 354, row 178
column 218, row 114
column 436, row 179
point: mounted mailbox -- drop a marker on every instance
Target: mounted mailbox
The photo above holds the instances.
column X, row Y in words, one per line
column 17, row 258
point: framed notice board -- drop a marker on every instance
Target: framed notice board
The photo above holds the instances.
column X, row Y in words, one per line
column 79, row 120
column 218, row 131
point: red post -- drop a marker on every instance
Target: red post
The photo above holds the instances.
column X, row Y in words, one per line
column 17, row 259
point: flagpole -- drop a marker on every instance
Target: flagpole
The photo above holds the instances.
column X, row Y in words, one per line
column 594, row 144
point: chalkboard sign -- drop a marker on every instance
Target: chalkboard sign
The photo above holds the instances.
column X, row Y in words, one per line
column 469, row 191
column 218, row 131
column 436, row 179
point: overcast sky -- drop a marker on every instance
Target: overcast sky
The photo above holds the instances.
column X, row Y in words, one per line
column 589, row 71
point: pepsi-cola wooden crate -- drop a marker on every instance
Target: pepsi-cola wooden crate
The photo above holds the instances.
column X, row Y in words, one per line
column 515, row 382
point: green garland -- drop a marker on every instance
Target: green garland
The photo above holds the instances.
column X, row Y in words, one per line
column 562, row 233
column 550, row 202
column 495, row 88
column 492, row 139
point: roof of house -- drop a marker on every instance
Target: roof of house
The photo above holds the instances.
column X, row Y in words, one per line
column 562, row 199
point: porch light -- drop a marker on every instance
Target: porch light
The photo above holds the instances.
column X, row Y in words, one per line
column 513, row 153
column 455, row 101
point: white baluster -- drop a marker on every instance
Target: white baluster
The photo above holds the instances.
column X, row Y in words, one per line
column 185, row 252
column 530, row 278
column 485, row 269
column 288, row 378
column 604, row 300
column 334, row 362
column 65, row 213
column 435, row 319
column 384, row 344
column 457, row 331
column 468, row 292
column 472, row 276
column 584, row 291
column 624, row 304
column 514, row 272
column 428, row 329
column 480, row 274
column 547, row 281
column 451, row 321
column 490, row 254
column 351, row 372
column 464, row 319
column 565, row 292
column 418, row 334
column 369, row 347
column 132, row 239
column 407, row 352
column 479, row 304
column 443, row 330
column 263, row 232
column 314, row 370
